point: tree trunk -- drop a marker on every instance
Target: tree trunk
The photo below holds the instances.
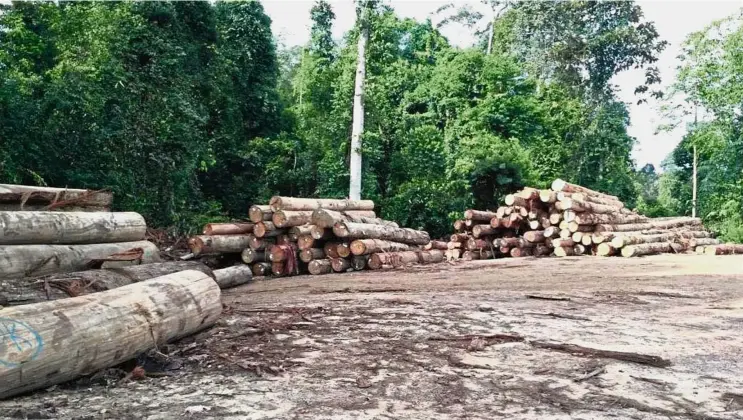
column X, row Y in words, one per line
column 459, row 225
column 228, row 228
column 578, row 227
column 651, row 248
column 353, row 230
column 295, row 203
column 307, row 242
column 725, row 249
column 60, row 286
column 54, row 198
column 373, row 246
column 435, row 245
column 46, row 227
column 659, row 223
column 325, row 218
column 218, row 244
column 318, row 267
column 297, row 231
column 260, row 244
column 249, row 256
column 534, row 236
column 480, row 216
column 479, row 231
column 515, row 200
column 583, row 198
column 703, row 242
column 51, row 343
column 616, row 218
column 260, row 214
column 261, row 269
column 560, row 185
column 359, row 262
column 343, row 250
column 621, row 241
column 606, row 249
column 321, row 233
column 18, row 261
column 476, row 244
column 267, row 230
column 310, row 254
column 357, row 125
column 506, row 242
column 340, row 265
column 287, row 218
column 331, row 249
column 564, row 251
column 233, row 276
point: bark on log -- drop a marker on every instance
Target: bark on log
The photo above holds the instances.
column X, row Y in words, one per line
column 353, row 230
column 278, row 268
column 218, row 244
column 310, row 254
column 18, row 261
column 725, row 249
column 343, row 250
column 260, row 244
column 565, row 251
column 480, row 216
column 560, row 185
column 260, row 213
column 325, row 218
column 459, row 225
column 60, row 286
column 658, row 223
column 249, row 256
column 621, row 241
column 297, row 231
column 475, row 244
column 341, row 265
column 651, row 248
column 506, row 242
column 48, row 227
column 331, row 249
column 521, row 252
column 307, row 242
column 228, row 228
column 359, row 262
column 373, row 246
column 482, row 254
column 267, row 230
column 479, row 231
column 557, row 243
column 578, row 227
column 288, row 218
column 318, row 267
column 703, row 242
column 588, row 198
column 294, row 203
column 459, row 237
column 592, row 219
column 551, row 232
column 261, row 269
column 54, row 198
column 281, row 253
column 435, row 245
column 528, row 193
column 233, row 276
column 534, row 236
column 541, row 250
column 50, row 343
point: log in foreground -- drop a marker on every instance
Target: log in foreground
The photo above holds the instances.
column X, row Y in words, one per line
column 54, row 342
column 353, row 230
column 233, row 276
column 228, row 228
column 371, row 246
column 294, row 203
column 724, row 249
column 218, row 244
column 17, row 261
column 317, row 267
column 651, row 248
column 60, row 286
column 48, row 227
column 54, row 198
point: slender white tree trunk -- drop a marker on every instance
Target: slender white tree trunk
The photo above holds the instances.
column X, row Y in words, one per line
column 358, row 110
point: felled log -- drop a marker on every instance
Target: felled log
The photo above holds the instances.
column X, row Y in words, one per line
column 452, row 254
column 521, row 252
column 435, row 245
column 651, row 248
column 481, row 254
column 589, row 198
column 566, row 234
column 528, row 193
column 551, row 232
column 606, row 249
column 560, row 185
column 249, row 256
column 547, row 196
column 340, row 265
column 616, row 218
column 620, row 241
column 501, row 212
column 534, row 236
column 534, row 224
column 307, row 241
column 278, row 268
column 586, row 240
column 54, row 198
column 579, row 249
column 479, row 231
column 233, row 276
column 287, row 218
column 515, row 200
column 343, row 250
column 60, row 286
column 564, row 251
column 280, row 253
column 555, row 218
column 468, row 223
column 331, row 249
column 318, row 267
column 310, row 254
column 402, row 258
column 321, row 233
column 218, row 244
column 459, row 225
column 724, row 249
column 294, row 203
column 228, row 228
column 259, row 244
column 18, row 261
column 474, row 244
column 506, row 242
column 296, row 231
column 557, row 243
column 650, row 224
column 577, row 237
column 261, row 269
column 353, row 230
column 693, row 243
column 571, row 204
column 51, row 343
column 260, row 213
column 541, row 250
column 359, row 262
column 459, row 237
column 481, row 216
column 578, row 227
column 372, row 246
column 48, row 227
column 267, row 230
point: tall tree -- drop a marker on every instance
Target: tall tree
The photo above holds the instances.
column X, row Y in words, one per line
column 357, row 126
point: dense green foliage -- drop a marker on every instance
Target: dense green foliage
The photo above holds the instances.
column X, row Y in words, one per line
column 188, row 110
column 710, row 84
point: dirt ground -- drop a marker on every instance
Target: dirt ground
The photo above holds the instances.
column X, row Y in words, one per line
column 449, row 341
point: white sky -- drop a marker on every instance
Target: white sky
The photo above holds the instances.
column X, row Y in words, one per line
column 674, row 20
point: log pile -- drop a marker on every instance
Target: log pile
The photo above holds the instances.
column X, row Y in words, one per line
column 291, row 236
column 569, row 220
column 28, row 198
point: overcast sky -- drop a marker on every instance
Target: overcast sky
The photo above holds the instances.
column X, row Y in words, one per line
column 674, row 21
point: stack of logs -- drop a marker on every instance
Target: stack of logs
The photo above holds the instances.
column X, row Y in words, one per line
column 572, row 220
column 291, row 236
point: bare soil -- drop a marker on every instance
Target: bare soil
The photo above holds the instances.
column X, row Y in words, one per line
column 448, row 341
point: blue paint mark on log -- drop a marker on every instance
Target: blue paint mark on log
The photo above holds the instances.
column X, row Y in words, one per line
column 19, row 343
